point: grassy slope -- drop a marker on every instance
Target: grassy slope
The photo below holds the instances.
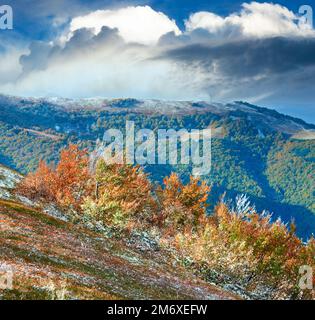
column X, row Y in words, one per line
column 51, row 258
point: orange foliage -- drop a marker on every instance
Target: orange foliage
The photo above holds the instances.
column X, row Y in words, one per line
column 72, row 178
column 127, row 187
column 247, row 244
column 276, row 247
column 67, row 184
column 37, row 185
column 182, row 205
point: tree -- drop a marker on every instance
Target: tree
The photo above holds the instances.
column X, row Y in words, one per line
column 182, row 205
column 73, row 181
column 67, row 185
column 37, row 185
column 123, row 194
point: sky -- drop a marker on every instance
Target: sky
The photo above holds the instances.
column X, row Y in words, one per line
column 212, row 50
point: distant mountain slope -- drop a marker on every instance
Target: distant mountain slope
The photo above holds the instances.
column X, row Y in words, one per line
column 268, row 155
column 55, row 259
column 15, row 108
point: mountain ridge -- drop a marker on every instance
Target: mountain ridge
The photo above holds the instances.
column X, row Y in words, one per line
column 157, row 107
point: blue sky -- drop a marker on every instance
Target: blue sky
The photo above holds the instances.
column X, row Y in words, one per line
column 176, row 50
column 35, row 22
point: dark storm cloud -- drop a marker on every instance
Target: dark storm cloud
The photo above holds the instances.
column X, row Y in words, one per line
column 271, row 71
column 248, row 58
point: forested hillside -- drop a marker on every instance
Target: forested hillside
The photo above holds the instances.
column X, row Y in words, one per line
column 257, row 151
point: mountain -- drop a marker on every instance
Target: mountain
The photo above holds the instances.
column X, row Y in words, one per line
column 81, row 263
column 257, row 151
column 54, row 108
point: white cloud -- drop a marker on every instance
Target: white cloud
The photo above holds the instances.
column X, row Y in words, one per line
column 254, row 20
column 205, row 20
column 139, row 24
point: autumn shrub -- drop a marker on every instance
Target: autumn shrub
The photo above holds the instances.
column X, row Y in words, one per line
column 248, row 245
column 67, row 184
column 37, row 185
column 182, row 206
column 123, row 194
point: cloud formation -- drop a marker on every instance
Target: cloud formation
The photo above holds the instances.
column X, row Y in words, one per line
column 97, row 65
column 260, row 54
column 135, row 24
column 254, row 20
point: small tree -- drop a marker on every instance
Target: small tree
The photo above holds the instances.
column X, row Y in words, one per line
column 72, row 178
column 37, row 185
column 182, row 205
column 123, row 194
column 67, row 185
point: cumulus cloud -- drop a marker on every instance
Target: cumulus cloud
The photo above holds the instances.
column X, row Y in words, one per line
column 135, row 24
column 254, row 20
